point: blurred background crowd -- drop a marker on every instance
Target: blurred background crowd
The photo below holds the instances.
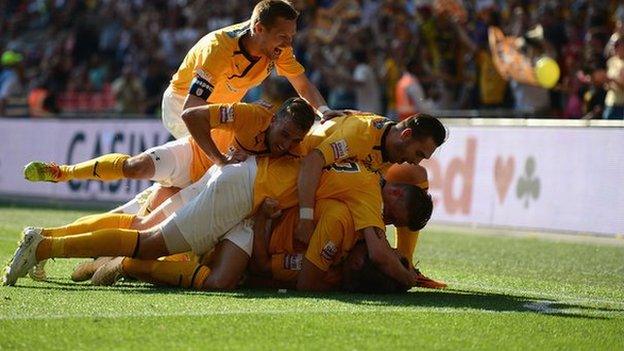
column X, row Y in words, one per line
column 386, row 56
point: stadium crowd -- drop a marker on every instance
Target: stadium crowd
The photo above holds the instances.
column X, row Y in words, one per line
column 106, row 55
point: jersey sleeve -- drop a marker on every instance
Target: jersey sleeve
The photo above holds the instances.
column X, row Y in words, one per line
column 406, row 242
column 285, row 267
column 213, row 62
column 238, row 116
column 326, row 243
column 287, row 64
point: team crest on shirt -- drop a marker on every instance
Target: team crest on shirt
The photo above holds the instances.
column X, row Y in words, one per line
column 340, row 149
column 380, row 123
column 293, row 262
column 226, row 114
column 329, row 251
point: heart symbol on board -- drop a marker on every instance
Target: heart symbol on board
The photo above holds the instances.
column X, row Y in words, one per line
column 503, row 175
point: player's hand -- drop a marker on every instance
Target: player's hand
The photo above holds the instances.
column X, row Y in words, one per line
column 304, row 230
column 331, row 114
column 269, row 208
column 235, row 156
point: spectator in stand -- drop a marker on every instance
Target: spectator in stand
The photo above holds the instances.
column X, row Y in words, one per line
column 614, row 102
column 154, row 83
column 410, row 95
column 129, row 92
column 11, row 78
column 366, row 85
column 595, row 76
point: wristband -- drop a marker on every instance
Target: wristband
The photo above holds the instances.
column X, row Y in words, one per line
column 323, row 109
column 306, row 213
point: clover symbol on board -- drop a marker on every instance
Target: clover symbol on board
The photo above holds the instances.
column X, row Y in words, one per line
column 528, row 186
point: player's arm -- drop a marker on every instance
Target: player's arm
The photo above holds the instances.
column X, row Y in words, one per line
column 260, row 262
column 198, row 122
column 310, row 93
column 311, row 278
column 385, row 258
column 307, row 183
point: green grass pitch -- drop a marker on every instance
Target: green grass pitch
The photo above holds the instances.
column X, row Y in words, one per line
column 518, row 293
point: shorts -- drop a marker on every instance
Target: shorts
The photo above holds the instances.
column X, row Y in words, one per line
column 188, row 193
column 172, row 107
column 172, row 163
column 226, row 201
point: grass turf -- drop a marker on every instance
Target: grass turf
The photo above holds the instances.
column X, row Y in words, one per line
column 505, row 293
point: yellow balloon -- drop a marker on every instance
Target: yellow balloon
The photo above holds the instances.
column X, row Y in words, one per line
column 547, row 72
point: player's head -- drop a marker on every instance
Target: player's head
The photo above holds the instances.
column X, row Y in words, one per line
column 274, row 25
column 406, row 205
column 416, row 138
column 290, row 124
column 361, row 275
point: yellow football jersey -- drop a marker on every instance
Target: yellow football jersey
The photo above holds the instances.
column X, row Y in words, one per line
column 355, row 137
column 349, row 182
column 220, row 70
column 333, row 238
column 237, row 125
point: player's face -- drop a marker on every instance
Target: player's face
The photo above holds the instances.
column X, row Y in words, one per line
column 277, row 38
column 283, row 136
column 413, row 151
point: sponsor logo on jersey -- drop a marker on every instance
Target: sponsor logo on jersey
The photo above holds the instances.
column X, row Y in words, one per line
column 204, row 75
column 226, row 114
column 329, row 251
column 293, row 262
column 340, row 149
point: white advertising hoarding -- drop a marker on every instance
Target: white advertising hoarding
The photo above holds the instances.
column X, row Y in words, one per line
column 70, row 141
column 554, row 178
column 565, row 179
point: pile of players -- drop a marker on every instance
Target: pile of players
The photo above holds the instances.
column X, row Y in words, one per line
column 252, row 194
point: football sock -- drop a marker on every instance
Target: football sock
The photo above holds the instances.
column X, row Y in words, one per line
column 105, row 167
column 91, row 223
column 406, row 243
column 182, row 274
column 104, row 242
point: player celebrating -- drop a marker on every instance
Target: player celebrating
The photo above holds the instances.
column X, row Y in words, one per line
column 226, row 63
column 230, row 196
column 379, row 143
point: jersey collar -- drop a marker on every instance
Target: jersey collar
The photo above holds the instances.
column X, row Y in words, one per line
column 382, row 144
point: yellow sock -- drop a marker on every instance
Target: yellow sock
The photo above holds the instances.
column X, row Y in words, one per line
column 105, row 167
column 406, row 243
column 104, row 242
column 91, row 223
column 180, row 274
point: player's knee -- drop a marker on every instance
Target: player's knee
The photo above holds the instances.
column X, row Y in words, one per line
column 150, row 246
column 220, row 282
column 139, row 167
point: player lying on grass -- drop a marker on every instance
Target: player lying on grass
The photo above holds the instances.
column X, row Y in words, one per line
column 280, row 263
column 256, row 129
column 377, row 142
column 374, row 139
column 233, row 193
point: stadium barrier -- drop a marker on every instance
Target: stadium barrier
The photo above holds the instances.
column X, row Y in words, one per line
column 526, row 174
